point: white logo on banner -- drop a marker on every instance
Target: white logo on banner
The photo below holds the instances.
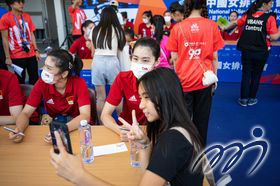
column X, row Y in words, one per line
column 222, row 4
column 211, row 3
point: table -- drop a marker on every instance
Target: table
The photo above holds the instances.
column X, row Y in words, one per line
column 28, row 163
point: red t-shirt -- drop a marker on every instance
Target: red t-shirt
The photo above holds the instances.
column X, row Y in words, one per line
column 196, row 46
column 76, row 95
column 80, row 48
column 125, row 87
column 78, row 17
column 10, row 92
column 144, row 31
column 129, row 25
column 271, row 26
column 235, row 35
column 15, row 39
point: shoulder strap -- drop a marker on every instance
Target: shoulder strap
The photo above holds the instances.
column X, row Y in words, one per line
column 205, row 162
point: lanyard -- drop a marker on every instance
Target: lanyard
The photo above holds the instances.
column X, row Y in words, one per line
column 23, row 29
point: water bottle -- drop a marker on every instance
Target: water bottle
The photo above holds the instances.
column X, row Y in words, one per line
column 85, row 142
column 134, row 155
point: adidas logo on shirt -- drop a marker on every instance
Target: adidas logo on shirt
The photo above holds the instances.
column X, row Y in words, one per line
column 132, row 98
column 50, row 101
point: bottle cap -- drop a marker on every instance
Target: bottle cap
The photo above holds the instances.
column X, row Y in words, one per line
column 83, row 123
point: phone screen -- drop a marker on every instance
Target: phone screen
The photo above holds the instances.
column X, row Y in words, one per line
column 64, row 134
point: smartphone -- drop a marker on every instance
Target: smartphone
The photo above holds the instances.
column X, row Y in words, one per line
column 13, row 130
column 64, row 134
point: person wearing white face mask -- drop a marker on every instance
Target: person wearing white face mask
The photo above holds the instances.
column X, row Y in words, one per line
column 145, row 55
column 145, row 28
column 64, row 93
column 168, row 22
column 82, row 46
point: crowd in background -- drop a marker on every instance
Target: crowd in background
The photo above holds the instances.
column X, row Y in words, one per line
column 163, row 77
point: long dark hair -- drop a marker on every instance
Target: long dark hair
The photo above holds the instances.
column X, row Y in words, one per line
column 191, row 5
column 150, row 43
column 159, row 24
column 255, row 6
column 103, row 31
column 165, row 91
column 66, row 62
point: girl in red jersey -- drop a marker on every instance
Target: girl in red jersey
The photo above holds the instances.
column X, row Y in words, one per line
column 145, row 28
column 64, row 93
column 145, row 55
column 194, row 43
column 234, row 34
column 254, row 46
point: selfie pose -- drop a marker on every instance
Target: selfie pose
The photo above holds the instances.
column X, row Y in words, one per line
column 166, row 154
column 64, row 93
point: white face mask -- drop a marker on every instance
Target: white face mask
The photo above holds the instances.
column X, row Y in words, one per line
column 167, row 19
column 145, row 21
column 140, row 69
column 47, row 77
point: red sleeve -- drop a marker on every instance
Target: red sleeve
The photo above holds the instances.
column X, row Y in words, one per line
column 218, row 41
column 15, row 94
column 241, row 21
column 83, row 94
column 172, row 44
column 74, row 47
column 271, row 26
column 4, row 22
column 36, row 94
column 115, row 95
column 140, row 29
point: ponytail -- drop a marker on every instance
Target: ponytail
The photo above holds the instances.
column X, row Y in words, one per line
column 66, row 62
column 77, row 65
column 255, row 6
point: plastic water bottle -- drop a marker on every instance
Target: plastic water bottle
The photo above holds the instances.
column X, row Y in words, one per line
column 134, row 155
column 85, row 142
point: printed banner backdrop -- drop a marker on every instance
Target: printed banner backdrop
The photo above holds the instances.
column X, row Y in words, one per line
column 230, row 67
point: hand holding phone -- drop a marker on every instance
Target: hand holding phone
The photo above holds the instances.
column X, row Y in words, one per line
column 64, row 134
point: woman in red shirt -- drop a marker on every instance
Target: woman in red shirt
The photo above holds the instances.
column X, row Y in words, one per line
column 194, row 43
column 254, row 46
column 145, row 28
column 82, row 46
column 145, row 55
column 168, row 22
column 78, row 17
column 234, row 34
column 64, row 93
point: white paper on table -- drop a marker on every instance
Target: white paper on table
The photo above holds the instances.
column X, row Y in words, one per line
column 109, row 149
column 17, row 69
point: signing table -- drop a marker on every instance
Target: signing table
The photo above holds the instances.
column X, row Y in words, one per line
column 28, row 163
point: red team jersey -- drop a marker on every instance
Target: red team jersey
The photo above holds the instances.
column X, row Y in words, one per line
column 15, row 39
column 78, row 17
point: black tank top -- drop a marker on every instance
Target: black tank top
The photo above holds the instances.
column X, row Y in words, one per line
column 254, row 34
